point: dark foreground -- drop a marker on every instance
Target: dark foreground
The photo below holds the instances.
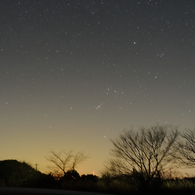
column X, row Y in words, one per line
column 31, row 191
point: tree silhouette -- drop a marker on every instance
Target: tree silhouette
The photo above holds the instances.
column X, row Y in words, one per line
column 20, row 174
column 144, row 154
column 186, row 148
column 65, row 161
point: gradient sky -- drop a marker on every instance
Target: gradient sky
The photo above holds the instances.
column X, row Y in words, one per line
column 75, row 73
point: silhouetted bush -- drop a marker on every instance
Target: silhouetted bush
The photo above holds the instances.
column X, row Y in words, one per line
column 20, row 174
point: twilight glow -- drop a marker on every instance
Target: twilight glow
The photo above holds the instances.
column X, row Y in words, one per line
column 76, row 73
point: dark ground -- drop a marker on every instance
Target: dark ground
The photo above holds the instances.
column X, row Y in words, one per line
column 29, row 191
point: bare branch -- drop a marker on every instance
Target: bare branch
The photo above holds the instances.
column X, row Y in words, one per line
column 65, row 161
column 186, row 148
column 148, row 150
column 78, row 158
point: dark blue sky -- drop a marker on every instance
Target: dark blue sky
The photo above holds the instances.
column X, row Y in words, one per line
column 76, row 73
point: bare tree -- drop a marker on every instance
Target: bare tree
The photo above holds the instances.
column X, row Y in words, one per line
column 186, row 147
column 65, row 161
column 147, row 152
column 78, row 158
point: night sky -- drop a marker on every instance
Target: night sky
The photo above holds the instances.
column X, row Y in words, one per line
column 76, row 73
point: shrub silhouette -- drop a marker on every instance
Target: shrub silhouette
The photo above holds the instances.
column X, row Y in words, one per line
column 21, row 174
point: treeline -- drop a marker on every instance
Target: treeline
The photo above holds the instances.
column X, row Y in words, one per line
column 144, row 161
column 21, row 174
column 148, row 160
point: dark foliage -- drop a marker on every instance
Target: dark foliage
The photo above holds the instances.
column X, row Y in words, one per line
column 73, row 181
column 20, row 174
